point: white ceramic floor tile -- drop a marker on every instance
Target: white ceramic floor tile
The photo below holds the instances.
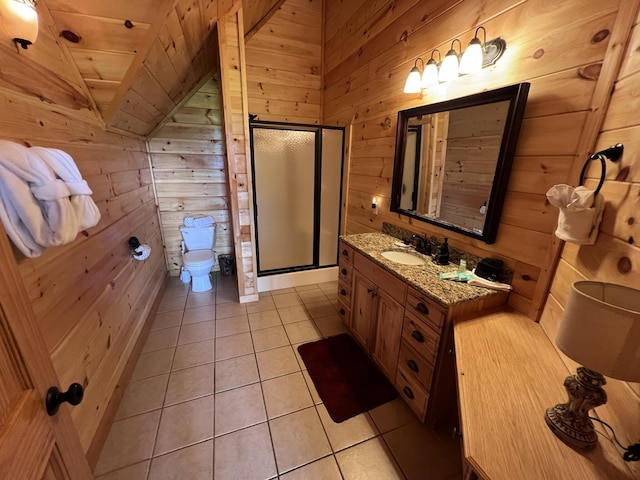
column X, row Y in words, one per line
column 185, row 424
column 245, row 455
column 239, row 408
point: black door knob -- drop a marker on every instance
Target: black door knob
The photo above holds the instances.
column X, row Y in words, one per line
column 55, row 397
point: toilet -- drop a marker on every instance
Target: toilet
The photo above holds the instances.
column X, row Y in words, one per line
column 198, row 256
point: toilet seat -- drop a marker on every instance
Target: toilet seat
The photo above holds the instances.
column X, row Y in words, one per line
column 195, row 258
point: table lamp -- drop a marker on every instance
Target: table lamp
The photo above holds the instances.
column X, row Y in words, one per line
column 600, row 330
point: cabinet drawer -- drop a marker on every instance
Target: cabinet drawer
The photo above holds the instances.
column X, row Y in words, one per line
column 344, row 291
column 415, row 366
column 345, row 272
column 345, row 252
column 421, row 337
column 391, row 284
column 344, row 312
column 425, row 309
column 412, row 393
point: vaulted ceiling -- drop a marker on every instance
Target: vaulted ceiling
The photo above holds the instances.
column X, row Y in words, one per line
column 129, row 63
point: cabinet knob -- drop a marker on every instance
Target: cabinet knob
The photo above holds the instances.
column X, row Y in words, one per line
column 417, row 336
column 413, row 366
column 407, row 391
column 422, row 308
column 343, row 292
column 456, row 433
column 345, row 253
column 343, row 271
column 452, row 352
column 342, row 311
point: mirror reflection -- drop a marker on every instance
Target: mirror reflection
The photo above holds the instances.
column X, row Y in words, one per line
column 453, row 160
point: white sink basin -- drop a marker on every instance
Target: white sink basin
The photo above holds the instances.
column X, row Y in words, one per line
column 404, row 258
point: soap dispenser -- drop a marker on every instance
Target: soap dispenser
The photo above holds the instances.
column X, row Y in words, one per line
column 442, row 255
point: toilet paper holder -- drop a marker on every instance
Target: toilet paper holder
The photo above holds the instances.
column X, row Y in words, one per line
column 134, row 244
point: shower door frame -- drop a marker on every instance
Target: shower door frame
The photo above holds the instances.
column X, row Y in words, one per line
column 317, row 129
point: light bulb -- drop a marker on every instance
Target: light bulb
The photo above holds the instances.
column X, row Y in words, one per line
column 471, row 61
column 449, row 67
column 413, row 81
column 19, row 20
column 430, row 74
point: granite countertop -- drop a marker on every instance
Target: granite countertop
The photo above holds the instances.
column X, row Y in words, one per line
column 422, row 277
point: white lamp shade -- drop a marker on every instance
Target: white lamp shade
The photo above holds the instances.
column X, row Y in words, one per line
column 449, row 68
column 18, row 19
column 600, row 329
column 430, row 75
column 471, row 61
column 412, row 84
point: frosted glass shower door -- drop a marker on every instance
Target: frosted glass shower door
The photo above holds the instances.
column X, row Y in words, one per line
column 284, row 166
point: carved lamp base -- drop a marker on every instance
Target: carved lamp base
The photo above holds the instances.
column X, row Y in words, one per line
column 570, row 421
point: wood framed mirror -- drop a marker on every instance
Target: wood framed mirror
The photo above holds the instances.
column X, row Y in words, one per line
column 453, row 160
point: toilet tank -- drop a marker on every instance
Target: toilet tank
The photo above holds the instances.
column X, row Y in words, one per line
column 198, row 238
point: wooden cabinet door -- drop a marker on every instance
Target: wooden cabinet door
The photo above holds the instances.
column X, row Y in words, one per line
column 33, row 445
column 362, row 313
column 388, row 331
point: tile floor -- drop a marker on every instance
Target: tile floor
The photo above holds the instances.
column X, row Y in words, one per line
column 220, row 393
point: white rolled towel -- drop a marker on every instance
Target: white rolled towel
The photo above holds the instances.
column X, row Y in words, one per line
column 87, row 212
column 204, row 221
column 188, row 221
column 36, row 210
column 580, row 213
column 483, row 282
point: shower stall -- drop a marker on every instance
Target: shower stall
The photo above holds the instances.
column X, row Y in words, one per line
column 297, row 184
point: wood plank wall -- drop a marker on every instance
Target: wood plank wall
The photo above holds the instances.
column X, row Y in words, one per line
column 370, row 48
column 615, row 257
column 236, row 123
column 90, row 298
column 178, row 55
column 190, row 171
column 284, row 59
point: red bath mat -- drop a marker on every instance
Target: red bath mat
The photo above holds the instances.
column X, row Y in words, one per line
column 346, row 380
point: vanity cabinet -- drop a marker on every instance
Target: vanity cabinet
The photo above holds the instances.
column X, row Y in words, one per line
column 421, row 331
column 377, row 310
column 345, row 271
column 404, row 331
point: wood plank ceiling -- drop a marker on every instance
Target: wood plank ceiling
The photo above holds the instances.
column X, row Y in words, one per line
column 136, row 61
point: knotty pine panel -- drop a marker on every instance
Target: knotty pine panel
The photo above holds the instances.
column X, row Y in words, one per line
column 67, row 284
column 193, row 178
column 233, row 75
column 369, row 20
column 285, row 56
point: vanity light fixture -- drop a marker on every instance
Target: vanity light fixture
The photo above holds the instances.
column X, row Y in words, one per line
column 481, row 54
column 412, row 85
column 478, row 55
column 449, row 67
column 19, row 21
column 430, row 74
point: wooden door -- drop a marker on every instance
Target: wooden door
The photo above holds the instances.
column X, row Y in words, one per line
column 362, row 312
column 388, row 332
column 33, row 445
